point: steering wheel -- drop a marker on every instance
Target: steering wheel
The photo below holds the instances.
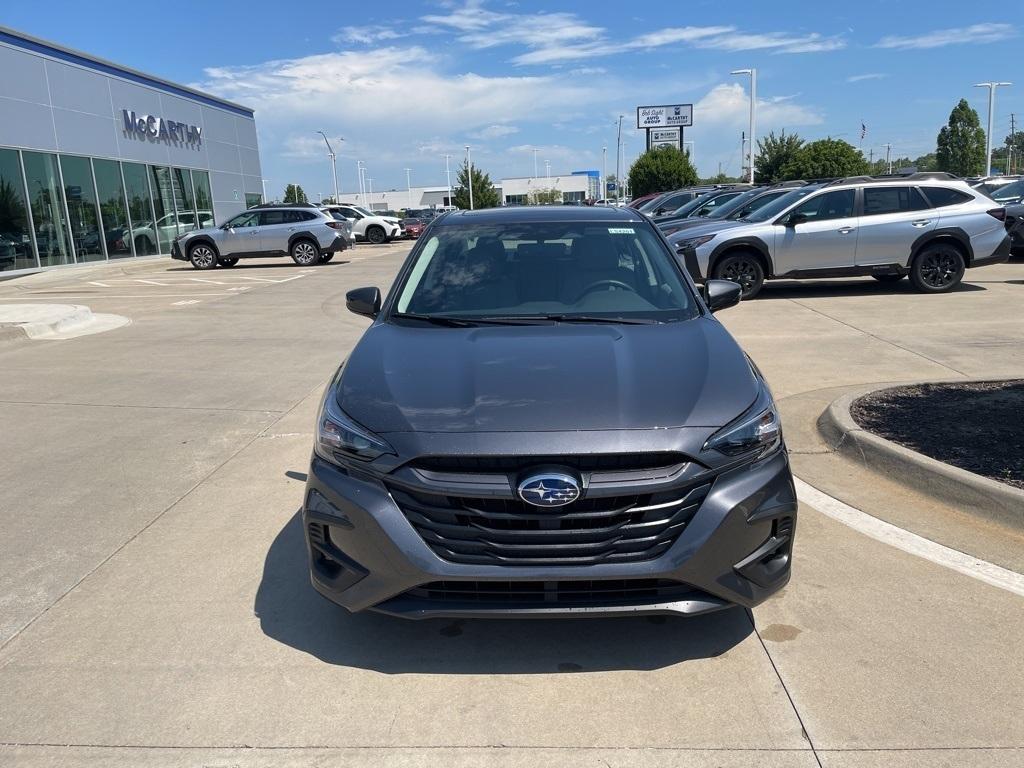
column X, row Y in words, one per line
column 601, row 283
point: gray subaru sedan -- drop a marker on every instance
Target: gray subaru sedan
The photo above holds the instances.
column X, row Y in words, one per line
column 545, row 419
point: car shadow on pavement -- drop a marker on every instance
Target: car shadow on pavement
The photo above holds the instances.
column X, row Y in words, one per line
column 259, row 264
column 794, row 289
column 292, row 612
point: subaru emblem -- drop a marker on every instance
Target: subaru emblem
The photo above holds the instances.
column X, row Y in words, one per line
column 549, row 490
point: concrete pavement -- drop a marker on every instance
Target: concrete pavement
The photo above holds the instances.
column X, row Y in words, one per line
column 156, row 608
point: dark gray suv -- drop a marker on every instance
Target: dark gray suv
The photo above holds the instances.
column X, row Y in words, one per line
column 544, row 418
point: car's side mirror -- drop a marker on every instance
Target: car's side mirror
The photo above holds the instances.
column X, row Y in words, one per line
column 363, row 301
column 721, row 294
column 795, row 218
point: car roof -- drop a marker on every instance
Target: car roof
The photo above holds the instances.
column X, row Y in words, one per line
column 534, row 214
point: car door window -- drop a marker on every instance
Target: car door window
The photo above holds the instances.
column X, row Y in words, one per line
column 270, row 218
column 348, row 213
column 940, row 197
column 243, row 220
column 830, row 205
column 881, row 200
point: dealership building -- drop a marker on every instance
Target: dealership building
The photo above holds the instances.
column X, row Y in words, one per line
column 99, row 161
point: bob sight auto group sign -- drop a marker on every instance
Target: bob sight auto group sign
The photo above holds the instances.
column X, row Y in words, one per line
column 160, row 128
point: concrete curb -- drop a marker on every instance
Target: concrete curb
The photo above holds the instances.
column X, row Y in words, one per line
column 995, row 500
column 55, row 321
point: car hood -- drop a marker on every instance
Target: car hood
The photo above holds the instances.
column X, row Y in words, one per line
column 544, row 378
column 703, row 227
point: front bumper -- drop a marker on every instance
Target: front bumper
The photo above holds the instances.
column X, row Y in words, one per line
column 176, row 252
column 689, row 256
column 736, row 549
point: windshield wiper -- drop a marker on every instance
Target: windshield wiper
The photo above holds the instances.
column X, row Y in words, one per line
column 451, row 322
column 565, row 318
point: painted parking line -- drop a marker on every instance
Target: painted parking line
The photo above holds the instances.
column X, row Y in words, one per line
column 184, row 303
column 911, row 543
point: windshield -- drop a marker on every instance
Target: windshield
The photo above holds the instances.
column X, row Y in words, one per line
column 1008, row 192
column 778, row 205
column 650, row 205
column 544, row 272
column 362, row 210
column 723, row 210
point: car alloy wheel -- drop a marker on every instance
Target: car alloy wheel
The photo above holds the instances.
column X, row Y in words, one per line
column 939, row 268
column 203, row 257
column 743, row 269
column 305, row 253
column 376, row 235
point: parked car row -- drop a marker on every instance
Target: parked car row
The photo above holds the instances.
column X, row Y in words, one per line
column 928, row 226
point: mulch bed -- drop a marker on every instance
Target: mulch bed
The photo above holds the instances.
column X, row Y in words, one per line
column 975, row 426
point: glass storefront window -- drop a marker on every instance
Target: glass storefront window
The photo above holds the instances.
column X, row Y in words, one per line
column 140, row 208
column 113, row 212
column 166, row 225
column 252, row 199
column 184, row 201
column 204, row 198
column 82, row 211
column 15, row 235
column 47, row 204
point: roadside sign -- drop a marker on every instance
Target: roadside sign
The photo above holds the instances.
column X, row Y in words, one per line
column 665, row 117
column 611, row 186
column 665, row 137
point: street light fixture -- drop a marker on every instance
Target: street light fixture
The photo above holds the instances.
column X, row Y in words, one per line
column 991, row 110
column 753, row 112
column 334, row 164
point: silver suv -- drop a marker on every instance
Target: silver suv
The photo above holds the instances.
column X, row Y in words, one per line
column 298, row 230
column 930, row 226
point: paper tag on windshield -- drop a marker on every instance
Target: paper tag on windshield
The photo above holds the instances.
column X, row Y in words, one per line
column 621, row 231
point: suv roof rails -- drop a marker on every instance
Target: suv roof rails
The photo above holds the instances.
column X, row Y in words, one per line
column 793, row 183
column 283, row 205
column 916, row 176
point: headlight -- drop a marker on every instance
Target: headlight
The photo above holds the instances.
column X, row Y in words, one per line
column 338, row 436
column 696, row 242
column 757, row 429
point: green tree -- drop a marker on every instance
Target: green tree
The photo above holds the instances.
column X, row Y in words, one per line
column 293, row 194
column 722, row 178
column 824, row 159
column 1014, row 147
column 545, row 197
column 484, row 194
column 659, row 170
column 925, row 162
column 773, row 153
column 961, row 143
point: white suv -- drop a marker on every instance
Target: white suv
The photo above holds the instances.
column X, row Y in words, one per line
column 367, row 225
column 930, row 226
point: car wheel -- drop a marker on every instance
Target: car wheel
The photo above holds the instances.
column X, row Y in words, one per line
column 325, row 257
column 938, row 268
column 202, row 256
column 888, row 278
column 376, row 235
column 228, row 262
column 742, row 268
column 305, row 253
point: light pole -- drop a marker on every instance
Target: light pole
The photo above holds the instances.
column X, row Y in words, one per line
column 448, row 175
column 547, row 169
column 991, row 110
column 362, row 187
column 265, row 190
column 408, row 185
column 604, row 174
column 334, row 164
column 888, row 161
column 753, row 113
column 535, row 162
column 618, row 163
column 469, row 175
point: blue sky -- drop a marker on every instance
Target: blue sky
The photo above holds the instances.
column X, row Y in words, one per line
column 406, row 82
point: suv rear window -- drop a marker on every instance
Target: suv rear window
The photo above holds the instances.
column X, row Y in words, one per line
column 879, row 200
column 943, row 196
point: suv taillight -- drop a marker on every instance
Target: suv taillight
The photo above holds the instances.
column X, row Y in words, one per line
column 333, row 224
column 997, row 213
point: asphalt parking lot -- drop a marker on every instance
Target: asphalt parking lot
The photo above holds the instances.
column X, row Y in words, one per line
column 155, row 607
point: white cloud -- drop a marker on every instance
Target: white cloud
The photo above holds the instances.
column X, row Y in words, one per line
column 729, row 104
column 672, row 35
column 494, row 132
column 366, row 35
column 976, row 33
column 777, row 42
column 868, row 76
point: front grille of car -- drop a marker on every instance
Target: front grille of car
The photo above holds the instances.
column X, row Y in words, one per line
column 598, row 462
column 533, row 593
column 507, row 531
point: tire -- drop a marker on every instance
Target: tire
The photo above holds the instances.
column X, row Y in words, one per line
column 888, row 278
column 325, row 257
column 228, row 262
column 376, row 235
column 744, row 268
column 938, row 268
column 305, row 253
column 202, row 256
